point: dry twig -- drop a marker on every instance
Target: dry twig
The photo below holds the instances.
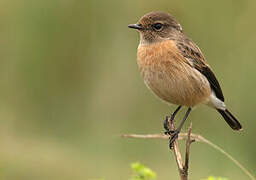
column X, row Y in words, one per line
column 193, row 137
column 183, row 169
column 189, row 141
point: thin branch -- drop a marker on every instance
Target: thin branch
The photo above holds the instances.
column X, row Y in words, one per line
column 188, row 143
column 177, row 153
column 197, row 138
column 202, row 139
column 147, row 136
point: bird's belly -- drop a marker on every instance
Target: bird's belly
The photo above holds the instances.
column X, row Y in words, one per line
column 166, row 73
column 177, row 87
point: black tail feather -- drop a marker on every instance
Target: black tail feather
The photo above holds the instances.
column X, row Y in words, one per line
column 230, row 119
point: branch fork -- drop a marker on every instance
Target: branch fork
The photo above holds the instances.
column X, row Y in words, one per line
column 189, row 137
column 182, row 167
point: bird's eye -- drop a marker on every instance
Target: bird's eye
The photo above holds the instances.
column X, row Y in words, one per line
column 158, row 26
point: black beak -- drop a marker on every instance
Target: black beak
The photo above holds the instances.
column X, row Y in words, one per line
column 135, row 26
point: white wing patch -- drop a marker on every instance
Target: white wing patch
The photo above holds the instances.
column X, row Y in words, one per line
column 215, row 102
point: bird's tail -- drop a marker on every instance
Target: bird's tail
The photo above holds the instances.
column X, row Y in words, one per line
column 230, row 119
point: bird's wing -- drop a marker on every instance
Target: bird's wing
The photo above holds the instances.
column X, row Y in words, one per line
column 195, row 58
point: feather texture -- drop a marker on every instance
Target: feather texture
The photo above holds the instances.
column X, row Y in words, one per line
column 166, row 73
column 192, row 52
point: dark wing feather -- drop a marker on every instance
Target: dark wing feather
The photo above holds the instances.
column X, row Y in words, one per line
column 191, row 52
column 207, row 72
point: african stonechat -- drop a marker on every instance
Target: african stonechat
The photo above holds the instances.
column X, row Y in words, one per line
column 175, row 69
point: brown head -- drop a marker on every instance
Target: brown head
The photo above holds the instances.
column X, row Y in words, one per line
column 156, row 27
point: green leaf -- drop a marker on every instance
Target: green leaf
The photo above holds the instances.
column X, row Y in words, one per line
column 142, row 172
column 215, row 178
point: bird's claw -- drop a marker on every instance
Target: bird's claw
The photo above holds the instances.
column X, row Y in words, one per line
column 172, row 133
column 166, row 125
column 174, row 136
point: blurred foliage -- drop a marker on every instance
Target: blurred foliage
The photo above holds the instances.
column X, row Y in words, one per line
column 70, row 86
column 142, row 172
column 215, row 178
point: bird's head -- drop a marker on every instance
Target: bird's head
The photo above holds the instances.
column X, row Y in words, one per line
column 156, row 27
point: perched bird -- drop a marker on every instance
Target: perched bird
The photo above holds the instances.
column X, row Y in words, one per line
column 174, row 68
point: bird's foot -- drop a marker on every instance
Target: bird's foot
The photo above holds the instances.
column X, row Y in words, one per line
column 167, row 125
column 173, row 137
column 172, row 133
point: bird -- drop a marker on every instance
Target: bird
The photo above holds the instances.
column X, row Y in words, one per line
column 175, row 70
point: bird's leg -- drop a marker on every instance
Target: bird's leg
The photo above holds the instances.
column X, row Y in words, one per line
column 166, row 123
column 176, row 132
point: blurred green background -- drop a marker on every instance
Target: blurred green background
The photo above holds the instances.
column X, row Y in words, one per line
column 70, row 87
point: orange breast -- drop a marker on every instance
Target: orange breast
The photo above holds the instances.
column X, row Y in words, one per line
column 169, row 75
